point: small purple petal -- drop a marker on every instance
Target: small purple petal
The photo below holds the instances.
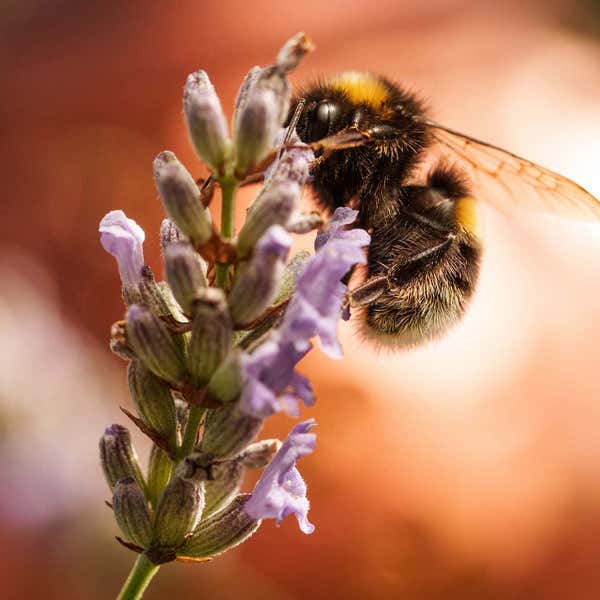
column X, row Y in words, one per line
column 341, row 217
column 281, row 491
column 314, row 310
column 123, row 238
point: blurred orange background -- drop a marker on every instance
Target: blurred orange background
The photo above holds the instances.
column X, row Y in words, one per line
column 467, row 469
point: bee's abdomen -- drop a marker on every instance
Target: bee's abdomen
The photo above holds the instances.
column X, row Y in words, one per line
column 426, row 303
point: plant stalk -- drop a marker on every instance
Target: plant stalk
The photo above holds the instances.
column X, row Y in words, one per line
column 141, row 574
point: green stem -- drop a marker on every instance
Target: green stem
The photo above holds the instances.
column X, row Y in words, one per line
column 191, row 432
column 141, row 574
column 228, row 189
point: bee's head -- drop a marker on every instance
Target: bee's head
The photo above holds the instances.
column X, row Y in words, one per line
column 319, row 119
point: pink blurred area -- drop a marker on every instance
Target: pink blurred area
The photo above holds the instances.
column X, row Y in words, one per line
column 466, row 469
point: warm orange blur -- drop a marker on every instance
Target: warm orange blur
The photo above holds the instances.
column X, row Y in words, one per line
column 467, row 469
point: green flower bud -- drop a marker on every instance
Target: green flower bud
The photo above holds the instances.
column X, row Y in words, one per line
column 257, row 280
column 183, row 267
column 132, row 513
column 227, row 431
column 154, row 345
column 153, row 400
column 181, row 198
column 222, row 531
column 212, row 333
column 276, row 202
column 226, row 383
column 159, row 473
column 259, row 117
column 242, row 95
column 206, row 121
column 179, row 510
column 118, row 457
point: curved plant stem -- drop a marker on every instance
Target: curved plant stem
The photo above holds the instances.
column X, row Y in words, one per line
column 141, row 574
column 228, row 189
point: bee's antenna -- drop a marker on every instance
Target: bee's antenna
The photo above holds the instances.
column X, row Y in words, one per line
column 292, row 126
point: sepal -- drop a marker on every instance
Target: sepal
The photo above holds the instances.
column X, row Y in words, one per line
column 181, row 198
column 118, row 458
column 212, row 334
column 153, row 400
column 154, row 345
column 221, row 532
column 131, row 512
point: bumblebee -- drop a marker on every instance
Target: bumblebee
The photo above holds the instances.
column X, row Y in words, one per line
column 371, row 138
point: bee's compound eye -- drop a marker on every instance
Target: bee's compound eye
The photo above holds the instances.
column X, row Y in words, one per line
column 323, row 118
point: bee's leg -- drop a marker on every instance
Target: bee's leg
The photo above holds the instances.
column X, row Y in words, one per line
column 367, row 292
column 404, row 269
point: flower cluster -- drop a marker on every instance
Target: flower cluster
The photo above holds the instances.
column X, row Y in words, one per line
column 212, row 350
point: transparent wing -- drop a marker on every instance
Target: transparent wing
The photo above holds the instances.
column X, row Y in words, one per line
column 508, row 181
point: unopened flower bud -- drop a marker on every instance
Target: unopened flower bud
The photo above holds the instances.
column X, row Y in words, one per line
column 222, row 531
column 153, row 400
column 153, row 344
column 257, row 280
column 227, row 431
column 123, row 238
column 242, row 94
column 178, row 511
column 118, row 457
column 206, row 121
column 181, row 198
column 276, row 202
column 293, row 51
column 183, row 268
column 159, row 473
column 132, row 513
column 261, row 114
column 226, row 383
column 212, row 333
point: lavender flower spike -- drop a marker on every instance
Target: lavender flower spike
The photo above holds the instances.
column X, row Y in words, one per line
column 270, row 382
column 123, row 238
column 281, row 490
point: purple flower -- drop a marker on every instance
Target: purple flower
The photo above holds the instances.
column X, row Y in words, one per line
column 270, row 382
column 123, row 238
column 281, row 491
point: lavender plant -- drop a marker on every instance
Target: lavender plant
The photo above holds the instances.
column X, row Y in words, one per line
column 212, row 350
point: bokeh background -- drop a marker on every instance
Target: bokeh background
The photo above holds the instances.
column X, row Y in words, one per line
column 467, row 469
